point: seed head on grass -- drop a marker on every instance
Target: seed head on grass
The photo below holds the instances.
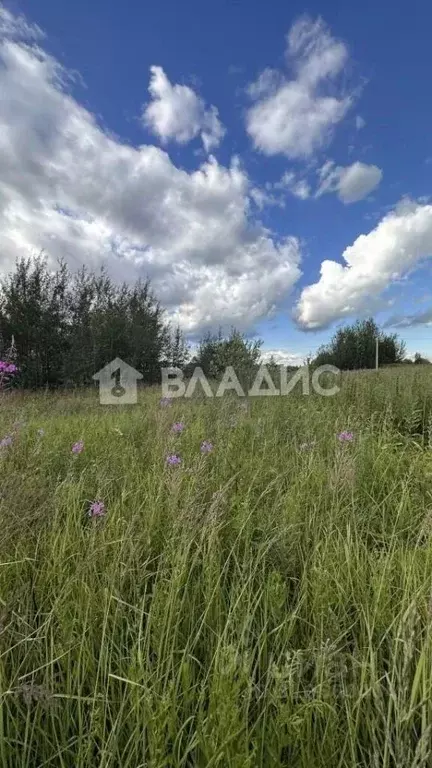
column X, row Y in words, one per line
column 33, row 694
column 173, row 460
column 308, row 446
column 78, row 447
column 97, row 509
column 206, row 447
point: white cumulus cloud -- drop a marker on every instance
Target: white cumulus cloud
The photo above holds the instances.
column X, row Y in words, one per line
column 72, row 190
column 176, row 112
column 296, row 116
column 351, row 183
column 399, row 243
column 283, row 357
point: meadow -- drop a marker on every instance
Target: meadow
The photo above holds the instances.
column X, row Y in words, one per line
column 266, row 601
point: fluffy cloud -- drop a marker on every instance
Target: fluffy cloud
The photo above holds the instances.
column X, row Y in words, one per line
column 177, row 113
column 296, row 116
column 401, row 240
column 283, row 357
column 68, row 188
column 352, row 183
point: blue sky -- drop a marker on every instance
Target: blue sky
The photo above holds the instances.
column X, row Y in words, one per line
column 274, row 137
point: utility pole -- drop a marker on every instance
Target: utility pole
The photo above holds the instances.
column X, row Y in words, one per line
column 376, row 353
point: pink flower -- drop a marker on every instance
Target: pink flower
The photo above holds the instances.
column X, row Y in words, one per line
column 178, row 427
column 7, row 367
column 173, row 459
column 78, row 447
column 346, row 437
column 97, row 509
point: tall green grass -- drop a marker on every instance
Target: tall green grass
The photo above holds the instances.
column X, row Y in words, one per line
column 269, row 604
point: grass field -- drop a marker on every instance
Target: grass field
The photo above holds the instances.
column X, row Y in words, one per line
column 268, row 603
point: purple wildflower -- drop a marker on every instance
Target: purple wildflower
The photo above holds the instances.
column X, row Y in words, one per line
column 173, row 459
column 206, row 446
column 346, row 437
column 178, row 427
column 97, row 509
column 6, row 441
column 165, row 402
column 78, row 447
column 9, row 368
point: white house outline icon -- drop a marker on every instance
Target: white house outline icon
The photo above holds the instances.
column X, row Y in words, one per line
column 128, row 382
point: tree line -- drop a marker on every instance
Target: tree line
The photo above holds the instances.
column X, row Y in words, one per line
column 66, row 327
column 354, row 347
column 351, row 348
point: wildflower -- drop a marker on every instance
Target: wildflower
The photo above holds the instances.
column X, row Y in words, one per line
column 178, row 427
column 173, row 459
column 97, row 509
column 78, row 447
column 206, row 446
column 165, row 401
column 8, row 368
column 346, row 437
column 41, row 432
column 6, row 441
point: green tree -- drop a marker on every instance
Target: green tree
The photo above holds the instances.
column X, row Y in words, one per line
column 177, row 349
column 354, row 347
column 216, row 353
column 34, row 311
column 66, row 327
column 419, row 360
